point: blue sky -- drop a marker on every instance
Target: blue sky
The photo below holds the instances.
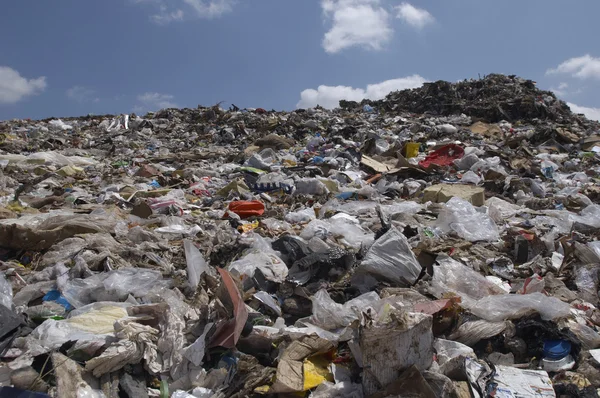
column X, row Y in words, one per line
column 74, row 57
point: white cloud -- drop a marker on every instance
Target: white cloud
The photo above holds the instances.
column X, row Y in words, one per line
column 561, row 90
column 154, row 101
column 415, row 17
column 590, row 113
column 585, row 67
column 14, row 87
column 82, row 94
column 362, row 23
column 210, row 9
column 165, row 17
column 330, row 96
column 177, row 10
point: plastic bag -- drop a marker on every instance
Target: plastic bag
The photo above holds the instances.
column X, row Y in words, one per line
column 586, row 280
column 448, row 349
column 588, row 336
column 470, row 178
column 591, row 215
column 443, row 156
column 515, row 306
column 342, row 227
column 196, row 265
column 330, row 315
column 484, row 165
column 261, row 256
column 301, row 216
column 470, row 333
column 533, row 284
column 310, row 186
column 466, row 162
column 6, row 293
column 455, row 277
column 246, row 209
column 112, row 286
column 461, row 217
column 59, row 125
column 391, row 257
column 344, row 389
column 49, row 157
column 408, row 207
column 595, row 246
column 269, row 301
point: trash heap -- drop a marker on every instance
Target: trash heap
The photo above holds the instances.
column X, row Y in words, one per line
column 441, row 242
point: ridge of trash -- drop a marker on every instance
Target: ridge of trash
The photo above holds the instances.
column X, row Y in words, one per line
column 439, row 242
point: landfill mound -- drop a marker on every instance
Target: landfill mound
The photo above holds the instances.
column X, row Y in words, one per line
column 492, row 99
column 441, row 242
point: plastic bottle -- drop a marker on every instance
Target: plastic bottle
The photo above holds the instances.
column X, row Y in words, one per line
column 557, row 356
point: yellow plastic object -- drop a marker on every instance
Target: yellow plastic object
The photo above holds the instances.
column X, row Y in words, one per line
column 262, row 390
column 316, row 371
column 248, row 227
column 69, row 171
column 412, row 149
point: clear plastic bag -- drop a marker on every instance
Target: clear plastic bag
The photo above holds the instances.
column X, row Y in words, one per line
column 461, row 217
column 591, row 216
column 391, row 257
column 455, row 277
column 514, row 306
column 586, row 280
column 112, row 286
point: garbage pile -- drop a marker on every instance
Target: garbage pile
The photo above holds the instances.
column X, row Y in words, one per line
column 442, row 242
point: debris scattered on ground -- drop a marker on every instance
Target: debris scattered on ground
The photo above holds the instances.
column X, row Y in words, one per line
column 441, row 242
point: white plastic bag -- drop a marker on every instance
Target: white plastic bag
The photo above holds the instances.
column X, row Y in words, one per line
column 330, row 315
column 261, row 256
column 301, row 216
column 470, row 333
column 6, row 293
column 470, row 178
column 310, row 186
column 461, row 217
column 196, row 265
column 448, row 349
column 59, row 125
column 391, row 257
